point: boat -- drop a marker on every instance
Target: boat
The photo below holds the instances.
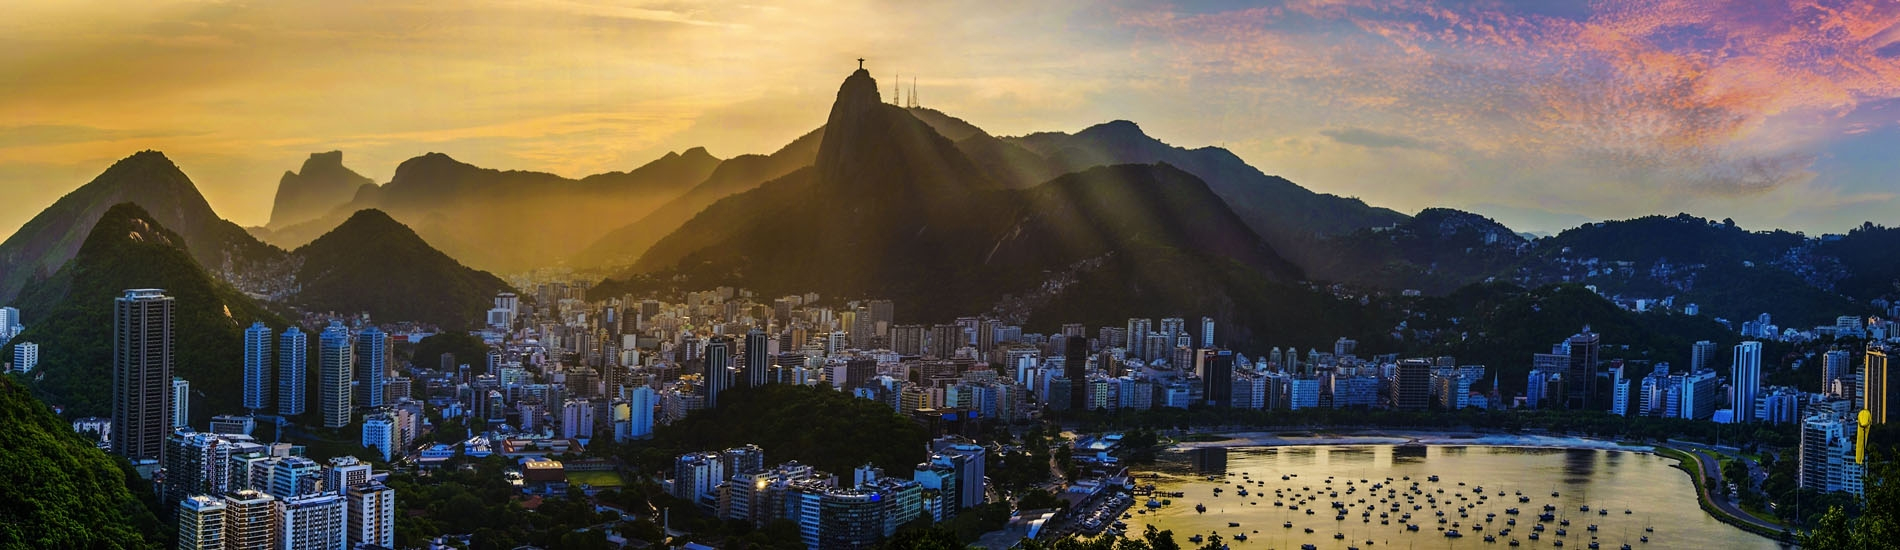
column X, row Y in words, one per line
column 1433, row 479
column 1644, row 539
column 1154, row 503
column 1593, row 545
column 1489, row 538
column 1411, row 527
column 1561, row 533
column 1196, row 539
column 1339, row 536
column 1200, row 508
column 1242, row 492
column 1557, row 543
column 1240, row 536
column 1593, row 527
column 1308, row 547
column 1309, row 530
column 1514, row 542
column 1452, row 534
column 1534, row 535
column 1289, row 525
column 1233, row 524
column 1523, row 499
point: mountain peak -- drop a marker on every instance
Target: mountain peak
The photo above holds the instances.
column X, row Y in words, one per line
column 320, row 161
column 322, row 184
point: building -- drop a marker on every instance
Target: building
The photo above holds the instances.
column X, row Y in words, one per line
column 1836, row 365
column 250, row 520
column 372, row 347
column 334, row 358
column 257, row 363
column 758, row 357
column 577, row 419
column 141, row 373
column 1702, row 356
column 966, row 459
column 343, row 472
column 372, row 515
column 641, row 401
column 26, row 356
column 201, row 523
column 1827, row 454
column 292, row 362
column 181, row 403
column 1412, row 385
column 293, row 476
column 313, row 522
column 696, row 475
column 718, row 376
column 1876, row 396
column 1217, row 377
column 1701, row 395
column 232, row 424
column 1745, row 380
column 1581, row 378
column 381, row 433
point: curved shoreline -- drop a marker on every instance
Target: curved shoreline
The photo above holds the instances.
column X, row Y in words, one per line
column 1403, row 437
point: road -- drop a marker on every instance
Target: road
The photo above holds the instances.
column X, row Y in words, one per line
column 1711, row 485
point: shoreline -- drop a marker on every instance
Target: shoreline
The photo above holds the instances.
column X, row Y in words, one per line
column 1403, row 437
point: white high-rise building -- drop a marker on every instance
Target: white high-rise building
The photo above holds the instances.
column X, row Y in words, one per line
column 334, row 366
column 201, row 523
column 9, row 323
column 640, row 404
column 181, row 403
column 293, row 360
column 343, row 472
column 1747, row 379
column 26, row 355
column 372, row 515
column 313, row 522
column 257, row 363
column 577, row 419
column 380, row 433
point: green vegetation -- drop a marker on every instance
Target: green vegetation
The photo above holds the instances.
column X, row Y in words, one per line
column 598, row 480
column 476, row 500
column 1876, row 528
column 58, row 490
column 372, row 263
column 468, row 349
column 829, row 430
column 128, row 249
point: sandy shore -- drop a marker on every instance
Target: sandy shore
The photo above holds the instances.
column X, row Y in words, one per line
column 1400, row 437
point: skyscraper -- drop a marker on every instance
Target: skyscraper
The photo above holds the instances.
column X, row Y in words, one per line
column 257, row 369
column 718, row 362
column 1580, row 383
column 1207, row 332
column 1834, row 367
column 1138, row 330
column 333, row 375
column 1075, row 368
column 372, row 515
column 1873, row 384
column 372, row 346
column 758, row 358
column 1413, row 388
column 313, row 521
column 1217, row 378
column 250, row 521
column 292, row 362
column 1746, row 379
column 181, row 403
column 141, row 373
column 1701, row 355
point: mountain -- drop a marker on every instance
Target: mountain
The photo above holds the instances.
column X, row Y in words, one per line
column 891, row 208
column 625, row 244
column 1436, row 251
column 373, row 263
column 1288, row 216
column 1677, row 240
column 150, row 180
column 510, row 220
column 61, row 491
column 322, row 185
column 130, row 248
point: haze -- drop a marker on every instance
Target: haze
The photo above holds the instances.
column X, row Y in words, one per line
column 1541, row 114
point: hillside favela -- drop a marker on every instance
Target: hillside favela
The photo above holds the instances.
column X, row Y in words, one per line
column 1117, row 275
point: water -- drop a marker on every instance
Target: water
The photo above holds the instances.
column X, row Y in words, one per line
column 1657, row 495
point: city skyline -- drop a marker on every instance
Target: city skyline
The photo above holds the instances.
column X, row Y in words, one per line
column 1541, row 115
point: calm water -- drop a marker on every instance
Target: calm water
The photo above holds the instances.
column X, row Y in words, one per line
column 1657, row 495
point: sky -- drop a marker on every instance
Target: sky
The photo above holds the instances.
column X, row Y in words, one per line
column 1542, row 113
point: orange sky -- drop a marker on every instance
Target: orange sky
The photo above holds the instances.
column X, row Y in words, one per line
column 1771, row 114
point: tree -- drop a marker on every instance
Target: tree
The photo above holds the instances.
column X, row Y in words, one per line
column 1877, row 528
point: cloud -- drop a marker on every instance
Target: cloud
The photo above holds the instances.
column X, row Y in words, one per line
column 1375, row 139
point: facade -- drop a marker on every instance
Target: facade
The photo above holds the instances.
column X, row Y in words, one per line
column 372, row 515
column 26, row 356
column 334, row 363
column 372, row 347
column 1581, row 377
column 141, row 373
column 577, row 419
column 1875, row 393
column 1746, row 379
column 201, row 523
column 380, row 433
column 180, row 403
column 250, row 520
column 1411, row 388
column 257, row 363
column 292, row 361
column 313, row 522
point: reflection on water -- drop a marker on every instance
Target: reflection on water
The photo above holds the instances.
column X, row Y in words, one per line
column 1656, row 496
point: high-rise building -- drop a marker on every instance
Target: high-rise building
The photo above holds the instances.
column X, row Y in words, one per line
column 1580, row 382
column 372, row 515
column 257, row 362
column 883, row 316
column 372, row 346
column 1075, row 361
column 718, row 368
column 1836, row 365
column 1701, row 356
column 758, row 356
column 1217, row 378
column 640, row 404
column 380, row 433
column 1207, row 332
column 250, row 520
column 966, row 458
column 577, row 419
column 343, row 472
column 1138, row 330
column 333, row 375
column 318, row 521
column 293, row 476
column 695, row 475
column 26, row 355
column 907, row 339
column 9, row 323
column 1412, row 389
column 1875, row 393
column 201, row 523
column 292, row 362
column 944, row 341
column 181, row 403
column 141, row 373
column 1746, row 379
